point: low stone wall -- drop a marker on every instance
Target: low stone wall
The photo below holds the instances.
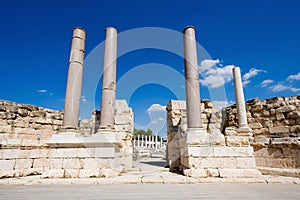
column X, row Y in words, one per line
column 25, row 131
column 276, row 128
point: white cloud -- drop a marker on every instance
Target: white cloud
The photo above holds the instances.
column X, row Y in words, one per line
column 83, row 99
column 214, row 76
column 281, row 87
column 294, row 77
column 222, row 104
column 266, row 82
column 156, row 108
column 208, row 64
column 42, row 91
column 158, row 120
column 252, row 73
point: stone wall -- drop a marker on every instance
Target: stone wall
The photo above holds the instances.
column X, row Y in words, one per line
column 177, row 125
column 25, row 131
column 275, row 123
column 276, row 128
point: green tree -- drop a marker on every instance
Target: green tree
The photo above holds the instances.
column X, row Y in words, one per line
column 137, row 132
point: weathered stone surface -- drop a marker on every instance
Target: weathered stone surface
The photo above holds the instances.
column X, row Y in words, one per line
column 281, row 129
column 7, row 165
column 285, row 109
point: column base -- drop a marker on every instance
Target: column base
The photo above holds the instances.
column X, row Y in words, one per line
column 73, row 155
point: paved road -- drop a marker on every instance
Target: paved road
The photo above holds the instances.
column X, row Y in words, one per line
column 151, row 191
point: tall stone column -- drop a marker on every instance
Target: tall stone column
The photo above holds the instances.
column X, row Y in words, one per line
column 240, row 100
column 193, row 103
column 74, row 82
column 107, row 118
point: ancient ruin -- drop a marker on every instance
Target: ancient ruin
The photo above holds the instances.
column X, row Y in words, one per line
column 242, row 141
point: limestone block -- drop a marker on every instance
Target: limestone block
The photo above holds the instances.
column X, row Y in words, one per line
column 261, row 161
column 237, row 141
column 272, row 111
column 24, row 130
column 71, row 173
column 239, row 173
column 43, row 121
column 285, row 109
column 279, row 116
column 55, row 163
column 108, row 173
column 123, row 119
column 213, row 172
column 72, row 163
column 5, row 129
column 24, row 154
column 213, row 162
column 197, row 173
column 295, row 129
column 89, row 173
column 94, row 163
column 39, row 153
column 22, row 112
column 255, row 125
column 280, row 129
column 40, row 163
column 10, row 153
column 23, row 163
column 230, row 131
column 54, row 173
column 233, row 151
column 7, row 165
column 71, row 153
column 294, row 114
column 198, row 151
column 288, row 122
column 246, row 163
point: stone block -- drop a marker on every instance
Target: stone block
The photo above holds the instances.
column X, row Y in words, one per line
column 54, row 173
column 72, row 163
column 198, row 151
column 233, row 151
column 55, row 163
column 39, row 153
column 10, row 153
column 294, row 114
column 285, row 109
column 5, row 129
column 7, row 165
column 94, row 163
column 40, row 163
column 71, row 173
column 237, row 141
column 89, row 173
column 260, row 161
column 246, row 163
column 197, row 173
column 213, row 172
column 239, row 173
column 255, row 125
column 280, row 129
column 23, row 163
column 123, row 119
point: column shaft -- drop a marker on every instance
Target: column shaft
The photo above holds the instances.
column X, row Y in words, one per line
column 107, row 118
column 193, row 103
column 240, row 99
column 74, row 82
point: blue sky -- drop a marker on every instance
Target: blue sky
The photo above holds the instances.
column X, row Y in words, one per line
column 262, row 37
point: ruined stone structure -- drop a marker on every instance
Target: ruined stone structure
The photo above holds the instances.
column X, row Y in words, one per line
column 276, row 127
column 202, row 142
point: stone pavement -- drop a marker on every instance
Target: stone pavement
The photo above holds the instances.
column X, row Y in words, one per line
column 152, row 191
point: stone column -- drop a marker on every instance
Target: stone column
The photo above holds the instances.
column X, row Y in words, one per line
column 109, row 81
column 191, row 79
column 138, row 141
column 74, row 82
column 142, row 141
column 240, row 100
